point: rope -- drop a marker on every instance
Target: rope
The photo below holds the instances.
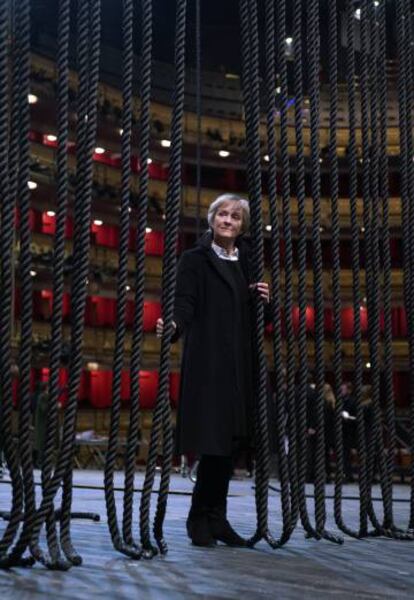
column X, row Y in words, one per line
column 409, row 80
column 88, row 69
column 58, row 258
column 198, row 110
column 336, row 264
column 288, row 260
column 250, row 50
column 386, row 270
column 313, row 50
column 275, row 270
column 6, row 244
column 356, row 287
column 25, row 449
column 137, row 336
column 122, row 280
column 162, row 413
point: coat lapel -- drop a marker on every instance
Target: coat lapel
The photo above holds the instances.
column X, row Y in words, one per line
column 221, row 269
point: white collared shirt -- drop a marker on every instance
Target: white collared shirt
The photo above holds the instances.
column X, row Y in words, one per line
column 223, row 254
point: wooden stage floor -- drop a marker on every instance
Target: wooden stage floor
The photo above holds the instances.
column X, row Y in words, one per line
column 366, row 569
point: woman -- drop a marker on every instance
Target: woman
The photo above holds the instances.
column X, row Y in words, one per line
column 213, row 311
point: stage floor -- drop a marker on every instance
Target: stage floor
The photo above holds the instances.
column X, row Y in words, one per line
column 367, row 569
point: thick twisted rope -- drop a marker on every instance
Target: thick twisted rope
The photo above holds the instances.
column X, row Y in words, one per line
column 386, row 253
column 288, row 259
column 25, row 447
column 313, row 49
column 162, row 413
column 58, row 258
column 275, row 271
column 408, row 39
column 138, row 330
column 122, row 280
column 8, row 162
column 84, row 238
column 336, row 264
column 198, row 110
column 250, row 60
column 356, row 285
column 87, row 118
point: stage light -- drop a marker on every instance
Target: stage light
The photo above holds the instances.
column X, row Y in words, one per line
column 97, row 222
column 268, row 228
column 51, row 137
column 149, row 161
column 92, row 366
column 266, row 158
column 148, row 229
column 165, row 143
column 127, row 287
column 99, row 150
column 289, row 40
column 357, row 14
column 33, row 273
column 224, row 153
column 32, row 99
column 50, row 213
column 32, row 185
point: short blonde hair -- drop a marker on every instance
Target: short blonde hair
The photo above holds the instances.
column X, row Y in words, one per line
column 215, row 205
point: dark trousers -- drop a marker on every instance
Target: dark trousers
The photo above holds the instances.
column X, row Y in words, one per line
column 212, row 485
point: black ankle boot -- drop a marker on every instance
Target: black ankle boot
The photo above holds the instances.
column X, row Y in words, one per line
column 198, row 528
column 222, row 531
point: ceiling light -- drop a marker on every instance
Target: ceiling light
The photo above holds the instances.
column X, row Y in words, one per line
column 165, row 143
column 32, row 185
column 148, row 229
column 368, row 365
column 289, row 40
column 33, row 273
column 98, row 222
column 266, row 158
column 51, row 137
column 376, row 3
column 224, row 153
column 32, row 99
column 99, row 150
column 149, row 161
column 120, row 131
column 268, row 228
column 127, row 287
column 357, row 14
column 50, row 213
column 278, row 89
column 92, row 366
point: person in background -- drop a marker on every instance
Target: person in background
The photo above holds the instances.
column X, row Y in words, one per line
column 214, row 314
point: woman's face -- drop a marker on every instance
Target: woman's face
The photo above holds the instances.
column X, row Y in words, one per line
column 228, row 221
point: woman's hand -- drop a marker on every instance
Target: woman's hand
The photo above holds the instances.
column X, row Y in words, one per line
column 262, row 289
column 159, row 328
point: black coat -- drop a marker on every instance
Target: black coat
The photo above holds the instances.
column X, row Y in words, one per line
column 216, row 389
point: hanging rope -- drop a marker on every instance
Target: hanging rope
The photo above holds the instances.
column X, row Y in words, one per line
column 122, row 280
column 138, row 330
column 288, row 260
column 162, row 412
column 386, row 253
column 336, row 264
column 275, row 271
column 313, row 52
column 88, row 69
column 250, row 50
column 58, row 259
column 356, row 287
column 8, row 163
column 198, row 109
